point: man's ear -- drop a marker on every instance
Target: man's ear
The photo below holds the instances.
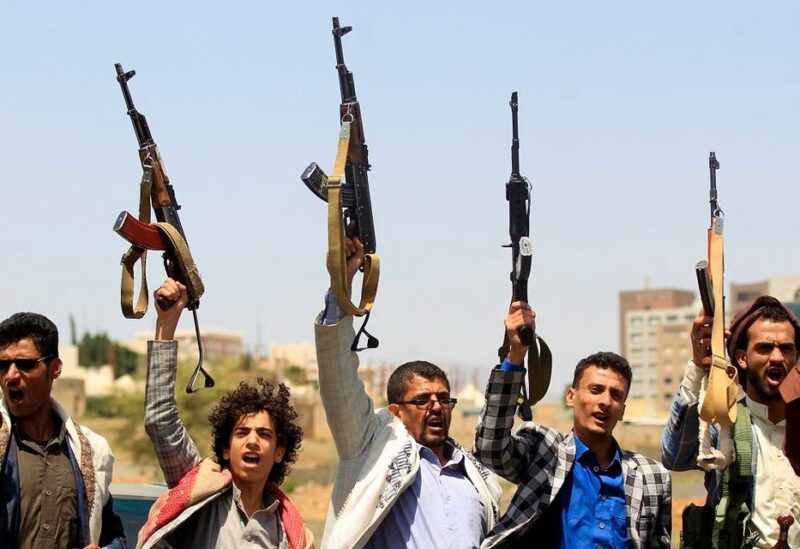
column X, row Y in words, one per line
column 55, row 367
column 571, row 397
column 622, row 413
column 280, row 451
column 394, row 409
column 226, row 454
column 741, row 358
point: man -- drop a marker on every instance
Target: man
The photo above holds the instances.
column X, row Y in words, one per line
column 578, row 489
column 763, row 345
column 232, row 499
column 55, row 473
column 401, row 480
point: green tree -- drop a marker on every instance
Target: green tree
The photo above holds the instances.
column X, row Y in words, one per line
column 98, row 349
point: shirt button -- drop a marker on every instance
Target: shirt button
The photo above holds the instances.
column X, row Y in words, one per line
column 47, row 462
column 248, row 538
column 46, row 526
column 48, row 492
column 602, row 525
column 603, row 497
column 595, row 468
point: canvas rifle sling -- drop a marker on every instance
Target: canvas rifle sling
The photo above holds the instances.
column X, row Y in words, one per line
column 134, row 253
column 337, row 260
column 189, row 274
column 719, row 404
column 540, row 366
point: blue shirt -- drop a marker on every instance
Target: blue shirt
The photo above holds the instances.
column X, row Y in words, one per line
column 441, row 508
column 592, row 501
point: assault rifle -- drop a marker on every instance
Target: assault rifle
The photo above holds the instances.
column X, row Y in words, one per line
column 346, row 191
column 518, row 194
column 165, row 235
column 719, row 404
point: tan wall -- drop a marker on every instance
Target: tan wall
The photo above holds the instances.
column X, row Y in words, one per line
column 69, row 392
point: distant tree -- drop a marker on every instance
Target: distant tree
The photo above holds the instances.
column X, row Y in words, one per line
column 73, row 331
column 246, row 362
column 295, row 374
column 98, row 350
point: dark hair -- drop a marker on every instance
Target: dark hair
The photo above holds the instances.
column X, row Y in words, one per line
column 249, row 398
column 773, row 312
column 604, row 360
column 398, row 381
column 39, row 328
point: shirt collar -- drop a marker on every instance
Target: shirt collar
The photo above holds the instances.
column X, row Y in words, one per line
column 583, row 452
column 270, row 502
column 761, row 411
column 58, row 436
column 453, row 454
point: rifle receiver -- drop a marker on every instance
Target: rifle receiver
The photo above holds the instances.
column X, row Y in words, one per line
column 514, row 136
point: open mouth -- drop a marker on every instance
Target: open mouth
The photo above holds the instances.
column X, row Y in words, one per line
column 15, row 395
column 251, row 458
column 775, row 374
column 601, row 417
column 436, row 423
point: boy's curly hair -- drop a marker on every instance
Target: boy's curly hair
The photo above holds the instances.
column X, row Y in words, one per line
column 249, row 398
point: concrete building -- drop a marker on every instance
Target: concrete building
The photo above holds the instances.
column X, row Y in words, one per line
column 654, row 335
column 217, row 344
column 785, row 288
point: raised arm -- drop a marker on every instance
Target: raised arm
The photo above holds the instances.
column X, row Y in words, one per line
column 174, row 448
column 349, row 411
column 509, row 455
column 679, row 440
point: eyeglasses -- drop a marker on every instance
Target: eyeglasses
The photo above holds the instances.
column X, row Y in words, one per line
column 427, row 404
column 24, row 364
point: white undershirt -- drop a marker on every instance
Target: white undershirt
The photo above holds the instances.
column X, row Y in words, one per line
column 777, row 487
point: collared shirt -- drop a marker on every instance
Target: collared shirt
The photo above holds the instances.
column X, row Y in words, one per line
column 592, row 500
column 440, row 509
column 592, row 503
column 48, row 492
column 224, row 523
column 777, row 487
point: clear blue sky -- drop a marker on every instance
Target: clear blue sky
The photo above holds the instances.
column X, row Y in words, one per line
column 620, row 104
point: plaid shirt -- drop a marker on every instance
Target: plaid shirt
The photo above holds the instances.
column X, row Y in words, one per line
column 538, row 459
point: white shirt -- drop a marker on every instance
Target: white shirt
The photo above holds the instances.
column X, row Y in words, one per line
column 777, row 487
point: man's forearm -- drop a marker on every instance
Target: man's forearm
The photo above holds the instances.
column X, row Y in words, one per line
column 348, row 408
column 174, row 448
column 495, row 446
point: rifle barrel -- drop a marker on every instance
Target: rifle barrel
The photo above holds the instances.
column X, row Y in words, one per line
column 713, row 166
column 346, row 85
column 515, row 136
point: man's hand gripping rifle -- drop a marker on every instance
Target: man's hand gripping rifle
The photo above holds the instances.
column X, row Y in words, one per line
column 165, row 235
column 518, row 194
column 346, row 191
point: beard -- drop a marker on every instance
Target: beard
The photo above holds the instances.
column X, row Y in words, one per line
column 435, row 441
column 754, row 381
